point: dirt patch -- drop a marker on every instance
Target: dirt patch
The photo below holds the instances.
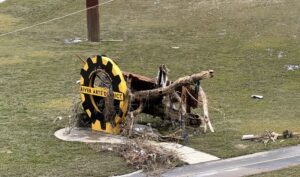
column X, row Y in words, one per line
column 241, row 146
column 219, row 4
column 59, row 104
column 11, row 60
column 39, row 54
column 7, row 22
column 248, row 1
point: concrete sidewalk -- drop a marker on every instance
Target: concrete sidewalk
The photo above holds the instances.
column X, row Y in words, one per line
column 186, row 154
column 233, row 167
column 239, row 166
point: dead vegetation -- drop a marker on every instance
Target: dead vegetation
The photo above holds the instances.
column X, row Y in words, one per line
column 171, row 101
column 271, row 136
column 78, row 117
column 140, row 154
column 137, row 151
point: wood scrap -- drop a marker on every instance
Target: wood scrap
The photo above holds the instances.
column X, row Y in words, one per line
column 202, row 100
column 187, row 80
column 268, row 136
column 171, row 101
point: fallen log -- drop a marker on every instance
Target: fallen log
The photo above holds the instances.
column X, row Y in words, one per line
column 184, row 81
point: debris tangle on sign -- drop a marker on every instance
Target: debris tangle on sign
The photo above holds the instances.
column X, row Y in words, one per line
column 171, row 101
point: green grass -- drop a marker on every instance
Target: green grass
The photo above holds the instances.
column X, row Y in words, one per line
column 239, row 40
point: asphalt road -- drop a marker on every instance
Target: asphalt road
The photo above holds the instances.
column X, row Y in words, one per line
column 239, row 166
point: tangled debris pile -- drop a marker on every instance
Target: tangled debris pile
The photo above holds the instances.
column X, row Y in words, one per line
column 268, row 136
column 105, row 106
column 137, row 152
column 171, row 101
column 159, row 97
column 140, row 154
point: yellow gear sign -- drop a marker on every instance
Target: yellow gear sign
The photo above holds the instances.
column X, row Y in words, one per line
column 93, row 95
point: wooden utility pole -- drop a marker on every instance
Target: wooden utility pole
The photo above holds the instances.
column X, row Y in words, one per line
column 93, row 26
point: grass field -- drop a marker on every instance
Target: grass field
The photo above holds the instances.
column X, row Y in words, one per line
column 248, row 44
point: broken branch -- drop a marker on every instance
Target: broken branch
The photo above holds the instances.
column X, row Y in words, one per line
column 187, row 80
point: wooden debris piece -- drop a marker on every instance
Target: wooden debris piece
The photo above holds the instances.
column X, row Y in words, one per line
column 271, row 136
column 138, row 82
column 187, row 80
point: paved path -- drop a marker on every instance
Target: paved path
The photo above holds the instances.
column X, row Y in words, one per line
column 240, row 166
column 186, row 154
column 233, row 167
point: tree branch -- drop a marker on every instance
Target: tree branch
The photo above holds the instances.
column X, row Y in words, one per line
column 187, row 80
